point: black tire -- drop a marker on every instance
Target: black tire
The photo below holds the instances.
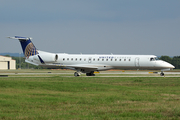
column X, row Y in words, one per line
column 162, row 74
column 90, row 74
column 76, row 74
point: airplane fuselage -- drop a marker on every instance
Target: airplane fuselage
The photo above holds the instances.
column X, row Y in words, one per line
column 87, row 63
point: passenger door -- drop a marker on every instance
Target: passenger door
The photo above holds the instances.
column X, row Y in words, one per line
column 137, row 62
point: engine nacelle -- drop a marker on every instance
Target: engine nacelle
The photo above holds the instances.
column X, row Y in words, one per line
column 46, row 57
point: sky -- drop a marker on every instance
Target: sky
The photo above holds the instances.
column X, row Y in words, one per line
column 138, row 27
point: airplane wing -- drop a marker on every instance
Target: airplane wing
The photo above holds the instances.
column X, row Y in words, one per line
column 84, row 67
column 81, row 67
column 90, row 68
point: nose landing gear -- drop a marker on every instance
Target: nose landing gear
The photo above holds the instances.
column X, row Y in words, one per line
column 161, row 74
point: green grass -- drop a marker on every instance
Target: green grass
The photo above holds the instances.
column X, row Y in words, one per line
column 89, row 98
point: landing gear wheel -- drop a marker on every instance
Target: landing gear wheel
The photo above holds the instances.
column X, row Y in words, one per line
column 162, row 74
column 76, row 74
column 90, row 74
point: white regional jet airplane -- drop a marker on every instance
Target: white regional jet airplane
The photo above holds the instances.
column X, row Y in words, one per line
column 89, row 63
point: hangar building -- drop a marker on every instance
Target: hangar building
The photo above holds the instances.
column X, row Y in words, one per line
column 7, row 63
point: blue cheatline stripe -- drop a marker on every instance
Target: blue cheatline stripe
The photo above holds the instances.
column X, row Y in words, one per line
column 41, row 60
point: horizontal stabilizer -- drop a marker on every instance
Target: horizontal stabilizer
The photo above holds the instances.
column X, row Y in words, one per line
column 31, row 62
column 20, row 38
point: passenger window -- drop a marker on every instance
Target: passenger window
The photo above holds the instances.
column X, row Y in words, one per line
column 98, row 59
column 80, row 59
column 84, row 59
column 94, row 59
column 67, row 58
column 63, row 59
column 76, row 59
column 129, row 59
column 119, row 59
column 111, row 59
column 115, row 59
column 102, row 59
column 106, row 59
column 124, row 59
column 71, row 58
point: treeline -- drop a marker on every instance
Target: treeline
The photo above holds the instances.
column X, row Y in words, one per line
column 173, row 60
column 20, row 62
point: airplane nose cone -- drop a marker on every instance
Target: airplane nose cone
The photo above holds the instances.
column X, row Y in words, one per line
column 172, row 66
column 164, row 65
column 169, row 66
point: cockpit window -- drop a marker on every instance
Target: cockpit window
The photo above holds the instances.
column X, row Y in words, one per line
column 154, row 59
column 151, row 59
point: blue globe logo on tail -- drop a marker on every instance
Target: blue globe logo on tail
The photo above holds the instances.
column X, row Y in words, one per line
column 30, row 50
column 27, row 46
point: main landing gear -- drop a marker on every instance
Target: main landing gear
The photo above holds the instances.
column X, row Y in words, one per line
column 76, row 74
column 90, row 74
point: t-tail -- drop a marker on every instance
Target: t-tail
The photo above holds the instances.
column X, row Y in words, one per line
column 34, row 56
column 27, row 46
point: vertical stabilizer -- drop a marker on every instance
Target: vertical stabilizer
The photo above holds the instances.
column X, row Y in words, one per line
column 27, row 46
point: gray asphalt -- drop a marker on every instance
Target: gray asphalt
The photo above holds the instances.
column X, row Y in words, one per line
column 104, row 74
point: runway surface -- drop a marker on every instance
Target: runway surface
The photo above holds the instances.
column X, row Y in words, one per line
column 101, row 74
